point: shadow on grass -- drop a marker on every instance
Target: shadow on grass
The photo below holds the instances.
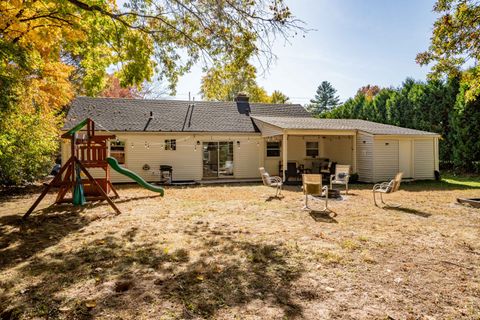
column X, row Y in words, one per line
column 20, row 239
column 409, row 211
column 322, row 216
column 89, row 205
column 448, row 182
column 13, row 193
column 271, row 198
column 225, row 272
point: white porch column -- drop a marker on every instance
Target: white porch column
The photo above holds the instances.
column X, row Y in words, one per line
column 284, row 155
column 354, row 150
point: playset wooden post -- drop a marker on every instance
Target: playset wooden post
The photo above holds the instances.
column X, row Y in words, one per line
column 87, row 150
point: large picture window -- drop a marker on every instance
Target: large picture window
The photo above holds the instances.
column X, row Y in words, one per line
column 273, row 149
column 117, row 150
column 312, row 149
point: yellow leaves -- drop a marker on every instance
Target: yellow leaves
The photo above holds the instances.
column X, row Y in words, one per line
column 471, row 77
column 55, row 85
column 90, row 304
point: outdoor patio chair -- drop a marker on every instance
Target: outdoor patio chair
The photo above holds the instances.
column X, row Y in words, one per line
column 312, row 185
column 292, row 171
column 387, row 187
column 271, row 181
column 316, row 166
column 341, row 176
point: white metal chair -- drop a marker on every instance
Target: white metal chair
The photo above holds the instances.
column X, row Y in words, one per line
column 271, row 181
column 312, row 185
column 342, row 174
column 387, row 187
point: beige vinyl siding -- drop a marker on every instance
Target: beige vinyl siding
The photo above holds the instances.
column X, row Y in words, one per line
column 247, row 158
column 385, row 159
column 186, row 161
column 365, row 157
column 424, row 155
column 405, row 157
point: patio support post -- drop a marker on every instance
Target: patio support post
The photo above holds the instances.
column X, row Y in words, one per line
column 354, row 153
column 284, row 155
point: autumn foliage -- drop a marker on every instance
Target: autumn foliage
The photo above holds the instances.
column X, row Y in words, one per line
column 51, row 50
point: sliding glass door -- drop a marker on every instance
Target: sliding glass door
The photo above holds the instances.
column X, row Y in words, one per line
column 217, row 159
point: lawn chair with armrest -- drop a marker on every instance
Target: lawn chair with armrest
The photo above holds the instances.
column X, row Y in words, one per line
column 312, row 185
column 341, row 176
column 387, row 187
column 271, row 181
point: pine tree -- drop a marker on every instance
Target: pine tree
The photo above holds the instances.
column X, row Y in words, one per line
column 325, row 99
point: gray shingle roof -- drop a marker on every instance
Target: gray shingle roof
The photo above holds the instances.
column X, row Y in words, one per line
column 115, row 114
column 338, row 124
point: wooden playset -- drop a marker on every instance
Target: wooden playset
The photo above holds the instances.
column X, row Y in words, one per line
column 87, row 151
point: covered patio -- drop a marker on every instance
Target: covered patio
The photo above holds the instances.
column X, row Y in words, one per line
column 302, row 143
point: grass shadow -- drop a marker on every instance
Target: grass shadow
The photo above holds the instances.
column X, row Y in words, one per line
column 19, row 239
column 409, row 211
column 8, row 194
column 323, row 216
column 271, row 198
column 227, row 272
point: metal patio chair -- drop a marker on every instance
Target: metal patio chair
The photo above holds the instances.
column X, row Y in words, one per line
column 271, row 181
column 341, row 176
column 387, row 187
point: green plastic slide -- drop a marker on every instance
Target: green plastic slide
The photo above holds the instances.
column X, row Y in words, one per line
column 132, row 175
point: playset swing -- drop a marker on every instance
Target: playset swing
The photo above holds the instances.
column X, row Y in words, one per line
column 88, row 151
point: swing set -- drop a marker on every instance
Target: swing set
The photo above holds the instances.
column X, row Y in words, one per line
column 87, row 151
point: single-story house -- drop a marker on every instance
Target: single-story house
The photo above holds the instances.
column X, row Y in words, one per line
column 230, row 140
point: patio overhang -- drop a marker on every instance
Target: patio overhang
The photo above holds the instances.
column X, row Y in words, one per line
column 281, row 129
column 271, row 127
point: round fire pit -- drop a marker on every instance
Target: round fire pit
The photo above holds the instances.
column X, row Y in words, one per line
column 334, row 193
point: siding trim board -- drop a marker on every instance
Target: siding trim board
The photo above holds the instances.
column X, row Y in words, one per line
column 365, row 155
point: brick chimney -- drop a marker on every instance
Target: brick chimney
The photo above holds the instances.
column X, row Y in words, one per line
column 242, row 97
column 243, row 106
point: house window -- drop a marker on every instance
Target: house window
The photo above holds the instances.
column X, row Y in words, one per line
column 273, row 149
column 171, row 144
column 312, row 149
column 117, row 150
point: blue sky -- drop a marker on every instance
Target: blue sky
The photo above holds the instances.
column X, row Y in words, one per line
column 354, row 43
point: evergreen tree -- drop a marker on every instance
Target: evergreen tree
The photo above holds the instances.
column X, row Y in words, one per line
column 325, row 99
column 465, row 133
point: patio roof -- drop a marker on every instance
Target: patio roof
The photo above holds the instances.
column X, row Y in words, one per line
column 374, row 128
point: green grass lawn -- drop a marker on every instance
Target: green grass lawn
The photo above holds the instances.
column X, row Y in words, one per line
column 467, row 181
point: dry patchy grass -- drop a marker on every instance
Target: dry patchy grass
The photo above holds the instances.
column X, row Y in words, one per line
column 226, row 252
